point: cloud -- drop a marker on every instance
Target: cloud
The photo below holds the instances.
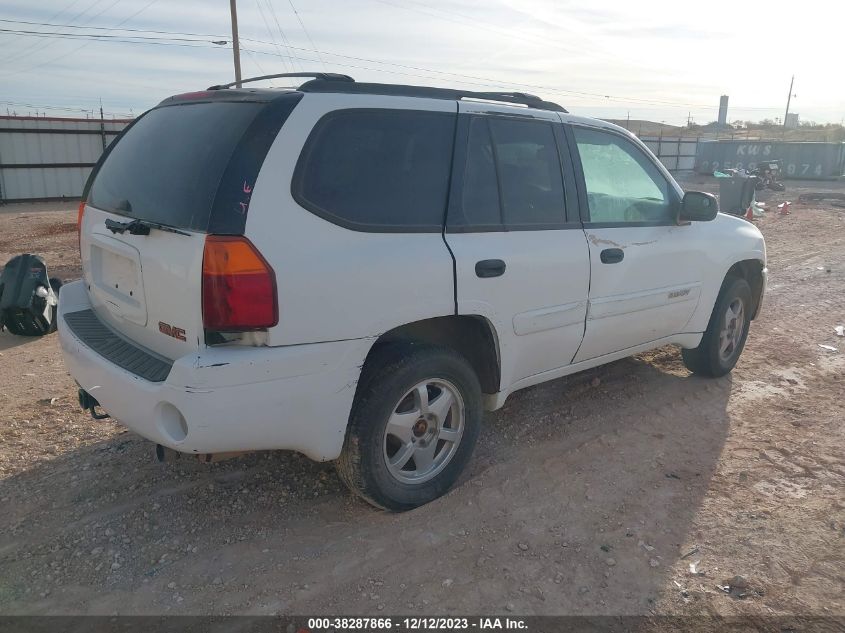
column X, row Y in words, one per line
column 661, row 59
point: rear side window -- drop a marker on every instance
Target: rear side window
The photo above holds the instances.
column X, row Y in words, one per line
column 378, row 170
column 512, row 178
column 169, row 164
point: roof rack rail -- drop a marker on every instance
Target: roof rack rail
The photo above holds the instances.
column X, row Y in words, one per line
column 521, row 98
column 518, row 98
column 317, row 76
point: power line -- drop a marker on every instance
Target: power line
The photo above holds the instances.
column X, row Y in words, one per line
column 285, row 40
column 509, row 32
column 17, row 54
column 291, row 57
column 78, row 16
column 110, row 28
column 51, row 60
column 288, row 66
column 257, row 64
column 96, row 36
column 304, row 30
column 39, row 106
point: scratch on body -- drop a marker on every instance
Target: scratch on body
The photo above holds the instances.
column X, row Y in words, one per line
column 597, row 241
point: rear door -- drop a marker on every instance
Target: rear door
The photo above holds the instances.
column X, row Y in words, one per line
column 646, row 269
column 189, row 167
column 520, row 261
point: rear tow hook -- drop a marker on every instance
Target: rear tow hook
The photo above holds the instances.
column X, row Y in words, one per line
column 89, row 403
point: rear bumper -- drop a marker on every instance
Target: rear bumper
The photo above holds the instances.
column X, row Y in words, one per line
column 232, row 398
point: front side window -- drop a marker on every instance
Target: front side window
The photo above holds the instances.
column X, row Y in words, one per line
column 623, row 185
column 512, row 176
column 378, row 169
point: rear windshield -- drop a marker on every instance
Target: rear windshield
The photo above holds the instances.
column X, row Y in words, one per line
column 168, row 166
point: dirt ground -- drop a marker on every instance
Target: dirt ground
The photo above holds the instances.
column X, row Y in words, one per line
column 634, row 488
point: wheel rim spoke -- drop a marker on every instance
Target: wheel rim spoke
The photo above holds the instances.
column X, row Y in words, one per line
column 734, row 326
column 421, row 398
column 441, row 406
column 449, row 435
column 401, row 425
column 412, row 448
column 424, row 456
column 403, row 456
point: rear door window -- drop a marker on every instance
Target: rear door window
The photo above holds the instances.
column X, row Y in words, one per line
column 169, row 164
column 529, row 172
column 512, row 178
column 378, row 170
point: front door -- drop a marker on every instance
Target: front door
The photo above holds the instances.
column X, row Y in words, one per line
column 645, row 268
column 520, row 262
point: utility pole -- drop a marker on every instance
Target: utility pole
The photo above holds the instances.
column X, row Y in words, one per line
column 235, row 46
column 102, row 126
column 628, row 121
column 788, row 99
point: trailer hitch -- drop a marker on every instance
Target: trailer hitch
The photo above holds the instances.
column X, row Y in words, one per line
column 89, row 403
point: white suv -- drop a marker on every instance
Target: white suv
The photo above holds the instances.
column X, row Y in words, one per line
column 356, row 271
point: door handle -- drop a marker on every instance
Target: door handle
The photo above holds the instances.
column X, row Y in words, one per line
column 612, row 255
column 490, row 268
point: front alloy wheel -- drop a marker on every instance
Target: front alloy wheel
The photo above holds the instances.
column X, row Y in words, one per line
column 730, row 336
column 724, row 338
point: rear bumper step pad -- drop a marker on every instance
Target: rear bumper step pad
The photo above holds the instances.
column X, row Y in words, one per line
column 90, row 330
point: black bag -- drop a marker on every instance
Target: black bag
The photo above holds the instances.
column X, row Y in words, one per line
column 28, row 298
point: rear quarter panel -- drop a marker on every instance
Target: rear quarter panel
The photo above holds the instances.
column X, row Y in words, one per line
column 335, row 283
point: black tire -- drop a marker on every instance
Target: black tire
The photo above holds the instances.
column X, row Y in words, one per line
column 707, row 359
column 388, row 380
column 56, row 285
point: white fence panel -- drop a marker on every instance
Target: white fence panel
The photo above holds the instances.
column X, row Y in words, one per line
column 44, row 158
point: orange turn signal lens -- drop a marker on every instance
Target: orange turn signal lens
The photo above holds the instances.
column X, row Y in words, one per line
column 238, row 286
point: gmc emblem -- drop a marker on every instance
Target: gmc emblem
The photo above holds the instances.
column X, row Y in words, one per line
column 176, row 332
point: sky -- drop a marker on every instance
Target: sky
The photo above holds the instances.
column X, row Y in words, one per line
column 650, row 59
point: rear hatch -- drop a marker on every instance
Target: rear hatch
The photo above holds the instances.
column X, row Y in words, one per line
column 181, row 171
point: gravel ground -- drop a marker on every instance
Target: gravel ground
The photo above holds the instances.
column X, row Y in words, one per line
column 634, row 488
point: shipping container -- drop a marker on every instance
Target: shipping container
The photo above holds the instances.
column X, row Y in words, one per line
column 800, row 160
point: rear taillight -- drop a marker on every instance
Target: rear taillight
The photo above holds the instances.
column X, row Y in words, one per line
column 79, row 213
column 238, row 286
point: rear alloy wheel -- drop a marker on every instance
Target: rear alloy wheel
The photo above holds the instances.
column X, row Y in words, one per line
column 424, row 431
column 413, row 426
column 724, row 339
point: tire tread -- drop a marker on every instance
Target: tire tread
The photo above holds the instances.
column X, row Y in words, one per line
column 389, row 361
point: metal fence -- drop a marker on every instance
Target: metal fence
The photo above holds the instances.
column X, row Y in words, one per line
column 677, row 153
column 47, row 158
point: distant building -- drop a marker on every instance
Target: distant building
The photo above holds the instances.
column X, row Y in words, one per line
column 723, row 110
column 791, row 121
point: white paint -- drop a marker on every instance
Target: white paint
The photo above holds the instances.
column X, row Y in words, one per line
column 340, row 289
column 163, row 271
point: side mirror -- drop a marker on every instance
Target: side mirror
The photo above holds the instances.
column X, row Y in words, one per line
column 698, row 206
